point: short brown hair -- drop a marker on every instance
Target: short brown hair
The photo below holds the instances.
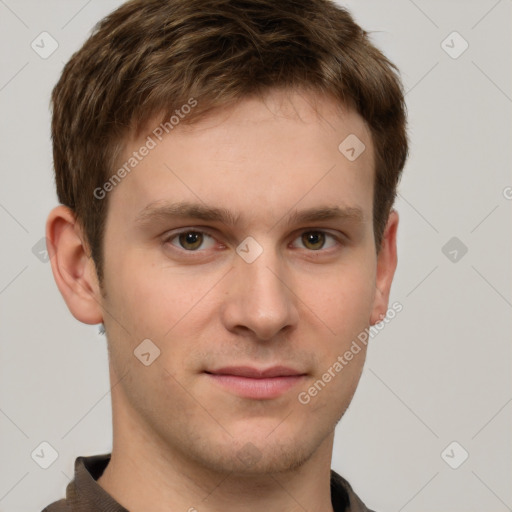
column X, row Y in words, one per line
column 149, row 57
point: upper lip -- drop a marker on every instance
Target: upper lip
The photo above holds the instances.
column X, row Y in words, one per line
column 255, row 373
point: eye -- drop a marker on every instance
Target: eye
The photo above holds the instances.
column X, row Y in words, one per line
column 190, row 240
column 315, row 240
column 193, row 240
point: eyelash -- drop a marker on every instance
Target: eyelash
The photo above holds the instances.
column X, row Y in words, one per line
column 175, row 235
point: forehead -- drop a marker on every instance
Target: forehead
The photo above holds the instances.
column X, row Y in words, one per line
column 264, row 155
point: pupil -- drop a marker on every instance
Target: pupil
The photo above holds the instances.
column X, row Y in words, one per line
column 191, row 238
column 314, row 238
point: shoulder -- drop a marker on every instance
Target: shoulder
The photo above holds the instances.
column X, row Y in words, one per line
column 57, row 506
column 83, row 494
column 352, row 502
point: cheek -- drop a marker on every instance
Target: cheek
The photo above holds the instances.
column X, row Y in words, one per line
column 342, row 298
column 154, row 300
column 343, row 305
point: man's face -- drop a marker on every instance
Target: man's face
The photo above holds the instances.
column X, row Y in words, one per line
column 298, row 304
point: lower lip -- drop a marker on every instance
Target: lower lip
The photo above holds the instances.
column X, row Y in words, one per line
column 247, row 387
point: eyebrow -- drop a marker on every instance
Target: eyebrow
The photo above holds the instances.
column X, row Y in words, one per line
column 162, row 211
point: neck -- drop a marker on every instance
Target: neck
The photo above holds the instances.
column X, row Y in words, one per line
column 146, row 473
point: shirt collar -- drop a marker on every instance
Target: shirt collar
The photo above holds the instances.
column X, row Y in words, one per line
column 85, row 492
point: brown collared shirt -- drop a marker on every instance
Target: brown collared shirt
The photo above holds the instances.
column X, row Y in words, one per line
column 84, row 494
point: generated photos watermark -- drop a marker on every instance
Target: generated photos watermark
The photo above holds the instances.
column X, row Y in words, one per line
column 151, row 142
column 304, row 397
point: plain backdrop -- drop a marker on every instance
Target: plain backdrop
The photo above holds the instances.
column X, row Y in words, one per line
column 438, row 374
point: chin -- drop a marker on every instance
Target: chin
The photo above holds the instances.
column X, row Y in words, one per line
column 255, row 455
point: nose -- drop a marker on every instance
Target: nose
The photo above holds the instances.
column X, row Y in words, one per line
column 260, row 297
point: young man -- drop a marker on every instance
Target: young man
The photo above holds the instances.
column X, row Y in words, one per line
column 227, row 171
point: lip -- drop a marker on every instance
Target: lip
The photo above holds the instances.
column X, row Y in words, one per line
column 259, row 384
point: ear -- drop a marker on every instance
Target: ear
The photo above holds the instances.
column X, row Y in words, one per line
column 386, row 265
column 72, row 266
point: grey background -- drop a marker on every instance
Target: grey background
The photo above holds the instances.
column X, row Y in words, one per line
column 439, row 372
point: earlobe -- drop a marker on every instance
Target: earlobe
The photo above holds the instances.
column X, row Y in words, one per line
column 73, row 269
column 386, row 266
